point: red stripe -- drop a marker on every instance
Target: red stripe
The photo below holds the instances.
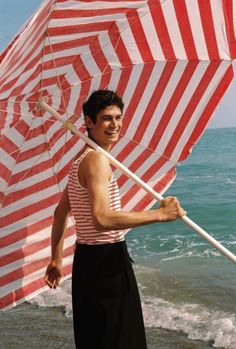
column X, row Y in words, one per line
column 146, row 118
column 70, row 44
column 208, row 28
column 158, row 187
column 135, row 100
column 99, row 57
column 24, row 292
column 151, row 171
column 14, row 64
column 8, row 146
column 22, row 128
column 5, row 172
column 29, row 210
column 229, row 23
column 112, row 1
column 207, row 113
column 85, row 78
column 44, row 165
column 175, row 98
column 31, row 190
column 30, row 267
column 79, row 28
column 64, row 13
column 21, row 234
column 124, row 79
column 155, row 99
column 16, row 110
column 119, row 46
column 192, row 105
column 161, row 29
column 139, row 35
column 3, row 113
column 185, row 29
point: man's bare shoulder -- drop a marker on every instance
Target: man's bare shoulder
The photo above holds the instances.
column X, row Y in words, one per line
column 95, row 161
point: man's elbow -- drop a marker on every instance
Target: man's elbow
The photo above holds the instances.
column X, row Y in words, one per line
column 101, row 222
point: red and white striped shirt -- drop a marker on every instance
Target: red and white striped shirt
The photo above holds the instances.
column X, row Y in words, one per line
column 81, row 209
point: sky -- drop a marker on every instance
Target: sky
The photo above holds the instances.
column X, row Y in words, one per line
column 14, row 13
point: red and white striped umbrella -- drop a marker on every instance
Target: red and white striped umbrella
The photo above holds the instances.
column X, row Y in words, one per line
column 170, row 60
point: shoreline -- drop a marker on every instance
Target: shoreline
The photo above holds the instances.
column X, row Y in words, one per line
column 30, row 326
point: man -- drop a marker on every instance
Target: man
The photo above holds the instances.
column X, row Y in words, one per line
column 106, row 305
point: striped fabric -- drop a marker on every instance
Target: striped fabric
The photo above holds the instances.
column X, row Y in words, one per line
column 170, row 60
column 81, row 209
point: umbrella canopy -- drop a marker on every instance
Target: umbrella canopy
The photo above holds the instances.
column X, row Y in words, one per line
column 171, row 61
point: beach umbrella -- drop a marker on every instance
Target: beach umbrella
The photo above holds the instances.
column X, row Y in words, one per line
column 170, row 60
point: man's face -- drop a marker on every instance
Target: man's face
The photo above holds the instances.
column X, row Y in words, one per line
column 107, row 128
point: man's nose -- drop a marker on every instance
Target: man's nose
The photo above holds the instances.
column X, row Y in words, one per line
column 113, row 123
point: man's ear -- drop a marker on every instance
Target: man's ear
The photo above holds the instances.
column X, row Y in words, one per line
column 88, row 122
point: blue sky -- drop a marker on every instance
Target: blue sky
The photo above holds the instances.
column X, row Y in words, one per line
column 14, row 13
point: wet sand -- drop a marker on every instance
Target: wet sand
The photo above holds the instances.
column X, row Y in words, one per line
column 28, row 326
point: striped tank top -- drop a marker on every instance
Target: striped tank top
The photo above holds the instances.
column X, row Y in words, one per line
column 86, row 233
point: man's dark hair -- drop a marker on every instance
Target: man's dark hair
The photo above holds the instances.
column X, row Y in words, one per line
column 100, row 100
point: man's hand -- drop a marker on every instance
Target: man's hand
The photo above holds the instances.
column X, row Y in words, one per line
column 171, row 209
column 53, row 275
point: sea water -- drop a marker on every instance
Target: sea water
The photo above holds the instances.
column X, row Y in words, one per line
column 188, row 288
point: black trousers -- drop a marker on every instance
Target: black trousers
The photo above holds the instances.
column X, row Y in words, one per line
column 107, row 310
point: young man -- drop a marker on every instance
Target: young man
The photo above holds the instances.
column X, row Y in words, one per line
column 106, row 305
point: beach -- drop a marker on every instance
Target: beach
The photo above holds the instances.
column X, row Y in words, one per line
column 28, row 327
column 187, row 287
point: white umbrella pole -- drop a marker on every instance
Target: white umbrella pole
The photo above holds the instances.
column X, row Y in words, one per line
column 140, row 182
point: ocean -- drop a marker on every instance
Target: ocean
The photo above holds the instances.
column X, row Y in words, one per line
column 187, row 287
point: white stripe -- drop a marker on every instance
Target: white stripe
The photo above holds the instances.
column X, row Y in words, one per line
column 15, row 137
column 19, row 73
column 145, row 100
column 109, row 50
column 6, row 159
column 197, row 30
column 34, row 257
column 164, row 101
column 115, row 78
column 129, row 41
column 25, row 222
column 19, row 283
column 182, row 104
column 220, row 29
column 132, row 83
column 30, row 239
column 151, row 35
column 75, row 5
column 142, row 169
column 200, row 107
column 77, row 21
column 30, row 200
column 173, row 29
column 141, row 193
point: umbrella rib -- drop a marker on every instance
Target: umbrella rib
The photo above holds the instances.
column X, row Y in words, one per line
column 15, row 162
column 27, row 172
column 62, row 97
column 152, row 150
column 105, row 44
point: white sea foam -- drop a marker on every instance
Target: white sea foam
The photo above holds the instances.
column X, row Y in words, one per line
column 195, row 320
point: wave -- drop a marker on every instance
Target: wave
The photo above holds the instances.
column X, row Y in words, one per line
column 195, row 320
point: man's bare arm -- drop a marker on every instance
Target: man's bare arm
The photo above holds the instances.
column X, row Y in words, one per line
column 54, row 269
column 97, row 171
